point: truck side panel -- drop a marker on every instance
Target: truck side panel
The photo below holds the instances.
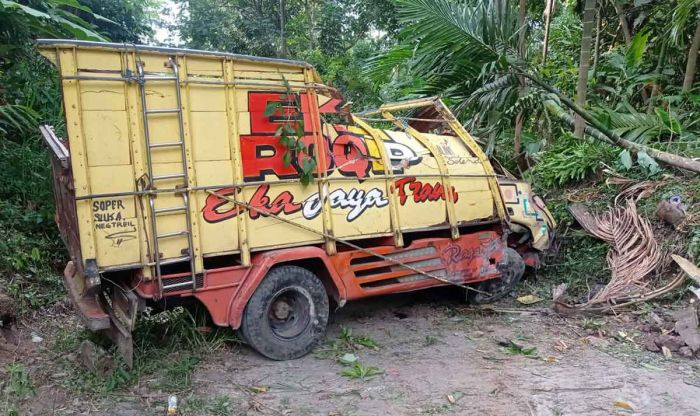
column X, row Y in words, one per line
column 232, row 148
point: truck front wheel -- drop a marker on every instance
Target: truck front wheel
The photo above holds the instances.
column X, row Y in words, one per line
column 512, row 269
column 287, row 314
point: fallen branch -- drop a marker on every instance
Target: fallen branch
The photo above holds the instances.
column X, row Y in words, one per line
column 688, row 267
column 599, row 131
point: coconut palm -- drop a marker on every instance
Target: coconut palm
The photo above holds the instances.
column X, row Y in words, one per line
column 467, row 52
column 686, row 15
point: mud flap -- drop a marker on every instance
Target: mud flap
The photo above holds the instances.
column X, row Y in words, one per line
column 122, row 306
column 89, row 309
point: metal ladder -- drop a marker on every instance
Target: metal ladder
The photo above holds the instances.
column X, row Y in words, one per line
column 180, row 189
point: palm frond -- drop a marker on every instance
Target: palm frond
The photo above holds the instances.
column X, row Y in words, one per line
column 684, row 13
column 16, row 117
column 639, row 127
column 452, row 46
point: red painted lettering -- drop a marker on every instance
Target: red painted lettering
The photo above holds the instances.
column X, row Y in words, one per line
column 422, row 192
column 350, row 154
column 211, row 211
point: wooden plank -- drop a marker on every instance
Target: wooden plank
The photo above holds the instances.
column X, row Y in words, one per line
column 189, row 158
column 232, row 115
column 67, row 59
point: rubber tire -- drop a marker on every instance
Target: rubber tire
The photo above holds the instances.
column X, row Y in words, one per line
column 512, row 269
column 255, row 326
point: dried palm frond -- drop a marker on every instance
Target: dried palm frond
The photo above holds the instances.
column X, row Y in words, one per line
column 634, row 252
column 632, row 188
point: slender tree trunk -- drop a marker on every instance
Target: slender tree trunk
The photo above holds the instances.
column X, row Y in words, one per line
column 283, row 36
column 626, row 32
column 596, row 46
column 691, row 65
column 548, row 12
column 311, row 14
column 517, row 145
column 584, row 64
column 655, row 87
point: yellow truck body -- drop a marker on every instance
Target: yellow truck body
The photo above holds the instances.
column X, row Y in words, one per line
column 174, row 157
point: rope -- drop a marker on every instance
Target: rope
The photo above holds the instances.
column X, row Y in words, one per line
column 347, row 243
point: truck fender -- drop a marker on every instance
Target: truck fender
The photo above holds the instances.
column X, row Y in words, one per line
column 263, row 262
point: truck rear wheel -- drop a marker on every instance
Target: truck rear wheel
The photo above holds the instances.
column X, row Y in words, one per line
column 512, row 269
column 287, row 314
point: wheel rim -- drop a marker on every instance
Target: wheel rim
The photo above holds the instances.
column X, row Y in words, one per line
column 496, row 287
column 289, row 312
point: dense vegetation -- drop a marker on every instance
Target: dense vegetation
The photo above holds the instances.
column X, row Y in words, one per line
column 631, row 64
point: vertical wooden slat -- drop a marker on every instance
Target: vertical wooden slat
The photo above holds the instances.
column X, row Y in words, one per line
column 67, row 61
column 189, row 158
column 468, row 141
column 442, row 168
column 236, row 163
column 321, row 162
column 389, row 180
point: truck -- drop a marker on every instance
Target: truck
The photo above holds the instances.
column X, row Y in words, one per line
column 246, row 184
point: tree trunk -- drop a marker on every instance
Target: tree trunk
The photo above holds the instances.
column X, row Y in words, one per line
column 311, row 14
column 655, row 87
column 283, row 36
column 596, row 46
column 548, row 12
column 691, row 65
column 517, row 143
column 584, row 64
column 626, row 32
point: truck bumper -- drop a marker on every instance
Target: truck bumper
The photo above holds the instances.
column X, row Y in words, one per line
column 89, row 309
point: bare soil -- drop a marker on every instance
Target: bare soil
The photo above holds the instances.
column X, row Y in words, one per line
column 436, row 356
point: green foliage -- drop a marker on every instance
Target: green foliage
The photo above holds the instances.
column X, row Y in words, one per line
column 561, row 67
column 216, row 406
column 430, row 340
column 335, row 36
column 17, row 382
column 16, row 117
column 52, row 18
column 291, row 133
column 31, row 252
column 515, row 348
column 359, row 371
column 571, row 160
column 15, row 386
column 123, row 20
column 230, row 26
column 694, row 246
column 346, row 343
column 456, row 46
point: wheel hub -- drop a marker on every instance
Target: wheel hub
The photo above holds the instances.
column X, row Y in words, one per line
column 289, row 312
column 281, row 309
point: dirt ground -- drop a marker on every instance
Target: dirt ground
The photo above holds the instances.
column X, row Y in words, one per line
column 436, row 356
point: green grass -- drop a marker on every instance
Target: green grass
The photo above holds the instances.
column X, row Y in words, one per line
column 16, row 386
column 346, row 342
column 209, row 406
column 167, row 348
column 430, row 340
